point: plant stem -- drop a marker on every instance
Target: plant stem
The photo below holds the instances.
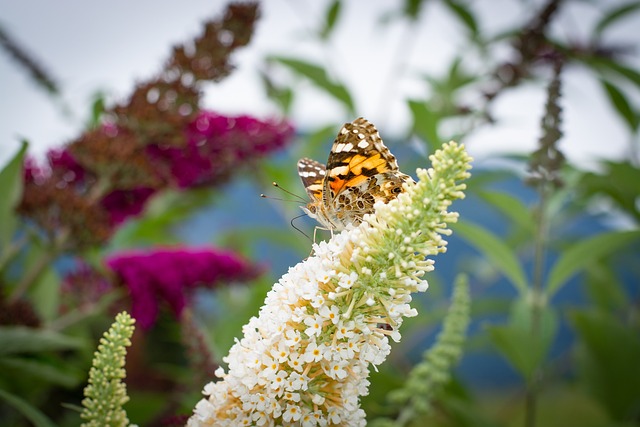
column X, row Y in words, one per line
column 11, row 251
column 537, row 298
column 41, row 263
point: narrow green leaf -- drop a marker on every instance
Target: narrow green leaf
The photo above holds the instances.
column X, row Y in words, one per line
column 524, row 348
column 510, row 207
column 318, row 76
column 495, row 251
column 11, row 185
column 458, row 77
column 98, row 107
column 331, row 17
column 43, row 370
column 621, row 104
column 608, row 361
column 20, row 339
column 581, row 254
column 616, row 181
column 45, row 294
column 33, row 414
column 280, row 95
column 627, row 72
column 621, row 70
column 465, row 15
column 605, row 290
column 614, row 15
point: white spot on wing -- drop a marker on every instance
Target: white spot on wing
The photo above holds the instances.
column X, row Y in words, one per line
column 340, row 170
column 363, row 144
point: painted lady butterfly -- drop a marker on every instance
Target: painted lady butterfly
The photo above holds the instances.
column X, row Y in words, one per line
column 360, row 171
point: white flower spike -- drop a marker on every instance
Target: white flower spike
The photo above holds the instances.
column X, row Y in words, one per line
column 305, row 360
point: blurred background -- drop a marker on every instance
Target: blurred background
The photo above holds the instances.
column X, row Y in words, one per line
column 92, row 49
column 551, row 210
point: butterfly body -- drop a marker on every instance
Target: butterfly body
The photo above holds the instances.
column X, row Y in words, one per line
column 360, row 171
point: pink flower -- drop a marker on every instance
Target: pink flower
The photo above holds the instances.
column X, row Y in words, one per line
column 60, row 166
column 217, row 145
column 171, row 274
column 122, row 204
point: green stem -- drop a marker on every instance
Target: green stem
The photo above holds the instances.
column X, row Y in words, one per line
column 11, row 251
column 41, row 263
column 537, row 300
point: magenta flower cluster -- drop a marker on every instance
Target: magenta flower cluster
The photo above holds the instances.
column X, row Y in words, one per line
column 170, row 275
column 217, row 145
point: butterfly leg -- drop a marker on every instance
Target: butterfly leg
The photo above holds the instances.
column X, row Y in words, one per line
column 315, row 231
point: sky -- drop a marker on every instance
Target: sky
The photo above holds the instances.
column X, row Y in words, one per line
column 92, row 47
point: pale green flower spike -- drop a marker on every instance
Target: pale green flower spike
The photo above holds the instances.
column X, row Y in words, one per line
column 106, row 393
column 428, row 376
column 304, row 361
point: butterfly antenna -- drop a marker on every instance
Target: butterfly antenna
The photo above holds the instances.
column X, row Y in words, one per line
column 302, row 199
column 264, row 196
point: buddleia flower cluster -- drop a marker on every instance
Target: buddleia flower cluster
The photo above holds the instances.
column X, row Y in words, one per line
column 158, row 138
column 106, row 392
column 305, row 359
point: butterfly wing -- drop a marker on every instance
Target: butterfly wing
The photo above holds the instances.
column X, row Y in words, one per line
column 357, row 159
column 312, row 174
column 360, row 171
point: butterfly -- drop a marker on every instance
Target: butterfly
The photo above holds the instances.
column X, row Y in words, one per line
column 360, row 171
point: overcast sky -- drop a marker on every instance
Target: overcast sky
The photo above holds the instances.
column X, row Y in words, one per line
column 107, row 46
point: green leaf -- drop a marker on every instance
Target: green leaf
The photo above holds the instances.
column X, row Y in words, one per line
column 331, row 17
column 620, row 70
column 11, row 185
column 510, row 207
column 458, row 77
column 604, row 288
column 618, row 182
column 425, row 123
column 608, row 361
column 581, row 254
column 280, row 95
column 465, row 16
column 98, row 107
column 495, row 251
column 20, row 339
column 614, row 15
column 318, row 76
column 33, row 414
column 412, row 8
column 629, row 73
column 621, row 104
column 45, row 294
column 525, row 349
column 65, row 376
